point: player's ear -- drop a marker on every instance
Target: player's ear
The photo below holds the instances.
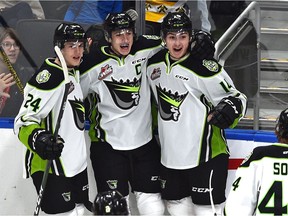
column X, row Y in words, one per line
column 191, row 40
column 192, row 35
column 107, row 37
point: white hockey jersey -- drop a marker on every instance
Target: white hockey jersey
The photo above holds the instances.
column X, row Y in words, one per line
column 185, row 91
column 122, row 116
column 42, row 100
column 261, row 183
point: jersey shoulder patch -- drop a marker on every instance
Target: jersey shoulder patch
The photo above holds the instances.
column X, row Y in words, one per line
column 211, row 65
column 204, row 67
column 48, row 77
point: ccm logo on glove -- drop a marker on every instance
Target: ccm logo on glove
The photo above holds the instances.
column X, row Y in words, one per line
column 225, row 113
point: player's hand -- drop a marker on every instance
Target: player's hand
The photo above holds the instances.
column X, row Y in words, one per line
column 133, row 14
column 225, row 113
column 203, row 45
column 45, row 145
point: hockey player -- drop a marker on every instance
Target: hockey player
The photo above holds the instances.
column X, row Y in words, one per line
column 67, row 185
column 194, row 154
column 260, row 186
column 123, row 150
column 110, row 203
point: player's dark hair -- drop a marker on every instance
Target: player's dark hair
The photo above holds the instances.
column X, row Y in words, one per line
column 69, row 32
column 281, row 128
column 176, row 22
column 117, row 21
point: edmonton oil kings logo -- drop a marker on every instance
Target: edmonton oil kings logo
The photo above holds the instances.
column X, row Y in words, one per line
column 125, row 94
column 169, row 103
column 78, row 113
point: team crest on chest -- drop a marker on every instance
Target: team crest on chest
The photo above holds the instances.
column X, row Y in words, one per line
column 125, row 92
column 169, row 103
column 105, row 71
column 210, row 65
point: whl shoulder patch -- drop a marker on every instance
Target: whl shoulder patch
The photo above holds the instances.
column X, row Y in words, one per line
column 211, row 65
column 43, row 76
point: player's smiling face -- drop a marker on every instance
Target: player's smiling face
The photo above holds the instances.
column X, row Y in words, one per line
column 177, row 44
column 121, row 41
column 73, row 53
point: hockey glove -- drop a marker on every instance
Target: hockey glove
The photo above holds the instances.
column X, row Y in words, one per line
column 203, row 45
column 133, row 14
column 225, row 113
column 45, row 145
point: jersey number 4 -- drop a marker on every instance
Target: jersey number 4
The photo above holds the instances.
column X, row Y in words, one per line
column 275, row 192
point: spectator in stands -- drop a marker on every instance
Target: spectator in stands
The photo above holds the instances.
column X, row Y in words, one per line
column 91, row 12
column 199, row 14
column 224, row 13
column 11, row 46
column 156, row 10
column 13, row 11
column 260, row 186
column 6, row 80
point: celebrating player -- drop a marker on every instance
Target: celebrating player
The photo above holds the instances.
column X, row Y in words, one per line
column 123, row 149
column 260, row 185
column 67, row 185
column 194, row 154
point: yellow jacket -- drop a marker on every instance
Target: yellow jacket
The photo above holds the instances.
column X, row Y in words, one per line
column 156, row 10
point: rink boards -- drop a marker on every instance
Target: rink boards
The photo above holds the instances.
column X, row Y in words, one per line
column 16, row 190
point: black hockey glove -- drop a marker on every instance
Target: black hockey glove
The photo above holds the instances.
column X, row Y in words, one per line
column 45, row 145
column 225, row 113
column 203, row 45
